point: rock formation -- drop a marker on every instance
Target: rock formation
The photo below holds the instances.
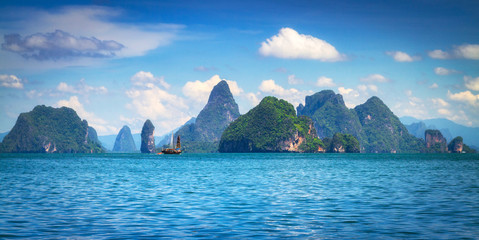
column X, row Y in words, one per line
column 456, row 145
column 341, row 143
column 147, row 138
column 372, row 123
column 219, row 112
column 435, row 142
column 330, row 115
column 124, row 141
column 272, row 126
column 51, row 130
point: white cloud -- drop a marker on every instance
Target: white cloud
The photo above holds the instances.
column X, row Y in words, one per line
column 292, row 95
column 399, row 56
column 11, row 81
column 200, row 91
column 154, row 102
column 444, row 111
column 325, row 82
column 344, row 91
column 466, row 51
column 81, row 88
column 100, row 125
column 439, row 54
column 434, row 86
column 371, row 87
column 252, row 98
column 465, row 96
column 290, row 44
column 375, row 78
column 439, row 102
column 147, row 79
column 444, row 71
column 293, row 80
column 96, row 23
column 472, row 83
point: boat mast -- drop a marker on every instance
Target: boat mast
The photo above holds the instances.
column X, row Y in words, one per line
column 171, row 140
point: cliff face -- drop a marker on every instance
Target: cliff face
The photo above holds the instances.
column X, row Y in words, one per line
column 147, row 138
column 219, row 112
column 272, row 126
column 456, row 145
column 124, row 141
column 435, row 142
column 330, row 115
column 50, row 130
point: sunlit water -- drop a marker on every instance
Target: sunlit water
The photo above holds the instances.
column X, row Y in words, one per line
column 239, row 196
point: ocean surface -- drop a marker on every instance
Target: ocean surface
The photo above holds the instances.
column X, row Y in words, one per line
column 239, row 196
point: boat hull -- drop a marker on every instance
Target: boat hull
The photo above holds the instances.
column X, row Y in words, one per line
column 171, row 151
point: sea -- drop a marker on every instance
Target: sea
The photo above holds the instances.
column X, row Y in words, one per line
column 239, row 196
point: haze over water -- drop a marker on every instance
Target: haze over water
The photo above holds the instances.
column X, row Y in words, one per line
column 363, row 196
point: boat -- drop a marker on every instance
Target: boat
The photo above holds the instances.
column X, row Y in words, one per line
column 171, row 150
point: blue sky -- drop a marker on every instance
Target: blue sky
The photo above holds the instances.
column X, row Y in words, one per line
column 122, row 63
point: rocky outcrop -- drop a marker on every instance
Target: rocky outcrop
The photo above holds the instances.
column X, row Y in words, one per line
column 147, row 138
column 330, row 115
column 124, row 141
column 341, row 143
column 272, row 126
column 435, row 142
column 372, row 123
column 456, row 145
column 51, row 130
column 219, row 112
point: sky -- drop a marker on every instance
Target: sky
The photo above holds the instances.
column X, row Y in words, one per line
column 122, row 62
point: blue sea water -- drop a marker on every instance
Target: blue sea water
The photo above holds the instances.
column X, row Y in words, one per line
column 240, row 196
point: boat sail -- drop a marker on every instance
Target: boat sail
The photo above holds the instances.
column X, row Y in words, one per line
column 172, row 150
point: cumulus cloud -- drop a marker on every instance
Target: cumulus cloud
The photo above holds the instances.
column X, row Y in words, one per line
column 466, row 97
column 293, row 80
column 434, row 86
column 59, row 45
column 200, row 91
column 99, row 124
column 439, row 102
column 147, row 79
column 375, row 78
column 444, row 111
column 344, row 91
column 151, row 100
column 292, row 95
column 81, row 88
column 438, row 54
column 290, row 44
column 466, row 51
column 84, row 31
column 10, row 81
column 444, row 71
column 371, row 87
column 325, row 82
column 472, row 83
column 399, row 56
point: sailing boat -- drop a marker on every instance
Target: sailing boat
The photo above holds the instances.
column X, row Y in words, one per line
column 172, row 150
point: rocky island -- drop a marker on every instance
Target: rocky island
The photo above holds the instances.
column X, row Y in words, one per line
column 51, row 130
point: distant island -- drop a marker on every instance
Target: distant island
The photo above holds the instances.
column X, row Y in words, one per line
column 323, row 124
column 51, row 130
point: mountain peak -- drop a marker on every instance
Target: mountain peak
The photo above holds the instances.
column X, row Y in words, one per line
column 220, row 110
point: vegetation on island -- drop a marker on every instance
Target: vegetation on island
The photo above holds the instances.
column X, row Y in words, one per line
column 342, row 143
column 48, row 129
column 272, row 126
